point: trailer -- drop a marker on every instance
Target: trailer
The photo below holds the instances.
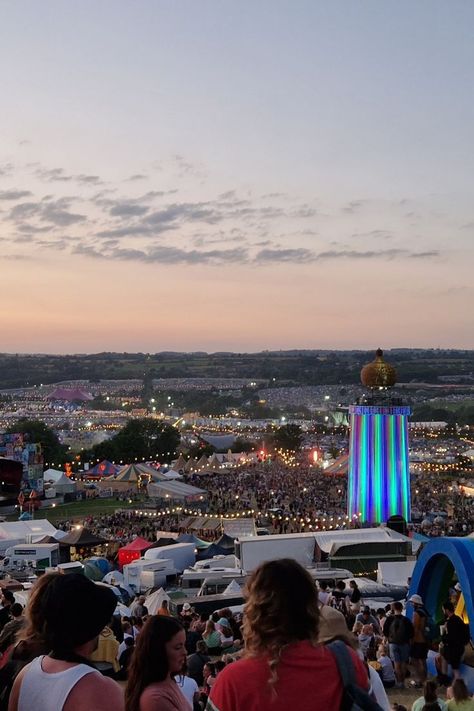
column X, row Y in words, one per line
column 253, row 550
column 30, row 555
column 183, row 555
column 144, row 574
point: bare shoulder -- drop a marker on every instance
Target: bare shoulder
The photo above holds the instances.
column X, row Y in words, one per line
column 97, row 692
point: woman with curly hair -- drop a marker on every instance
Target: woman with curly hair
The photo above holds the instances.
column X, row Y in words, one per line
column 160, row 654
column 284, row 666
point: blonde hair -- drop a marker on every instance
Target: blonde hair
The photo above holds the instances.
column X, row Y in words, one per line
column 281, row 608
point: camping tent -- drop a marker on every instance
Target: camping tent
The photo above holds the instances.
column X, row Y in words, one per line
column 191, row 538
column 132, row 551
column 210, row 552
column 226, row 542
column 155, row 600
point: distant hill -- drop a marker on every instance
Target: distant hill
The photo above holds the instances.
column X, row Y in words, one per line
column 305, row 367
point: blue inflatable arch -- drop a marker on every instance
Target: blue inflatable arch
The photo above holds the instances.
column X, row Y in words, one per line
column 441, row 560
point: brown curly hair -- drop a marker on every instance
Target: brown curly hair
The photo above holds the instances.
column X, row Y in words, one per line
column 281, row 608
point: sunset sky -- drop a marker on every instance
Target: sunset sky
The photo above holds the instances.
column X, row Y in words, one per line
column 247, row 175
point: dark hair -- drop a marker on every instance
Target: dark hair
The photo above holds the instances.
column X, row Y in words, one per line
column 16, row 609
column 429, row 692
column 448, row 605
column 8, row 595
column 219, row 665
column 397, row 605
column 431, row 707
column 129, row 641
column 340, row 585
column 460, row 691
column 149, row 663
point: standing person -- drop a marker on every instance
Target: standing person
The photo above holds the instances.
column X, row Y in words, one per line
column 197, row 661
column 138, row 608
column 68, row 613
column 454, row 639
column 284, row 665
column 367, row 618
column 355, row 597
column 164, row 609
column 339, row 599
column 5, row 611
column 398, row 629
column 160, row 654
column 12, row 628
column 419, row 647
column 323, row 594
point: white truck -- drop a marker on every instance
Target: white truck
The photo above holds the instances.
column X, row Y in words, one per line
column 253, row 550
column 37, row 556
column 183, row 555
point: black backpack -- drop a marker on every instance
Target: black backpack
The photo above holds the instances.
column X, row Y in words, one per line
column 353, row 697
column 400, row 630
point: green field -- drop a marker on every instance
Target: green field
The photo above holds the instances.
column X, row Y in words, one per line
column 80, row 509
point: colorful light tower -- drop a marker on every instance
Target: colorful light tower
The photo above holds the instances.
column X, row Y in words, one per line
column 379, row 477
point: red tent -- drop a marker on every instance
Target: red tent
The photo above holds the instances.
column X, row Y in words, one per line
column 133, row 551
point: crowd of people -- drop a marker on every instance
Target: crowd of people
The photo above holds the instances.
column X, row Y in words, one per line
column 70, row 650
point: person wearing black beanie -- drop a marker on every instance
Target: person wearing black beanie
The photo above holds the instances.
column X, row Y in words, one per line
column 67, row 612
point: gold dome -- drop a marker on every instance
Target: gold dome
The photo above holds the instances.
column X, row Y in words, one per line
column 378, row 374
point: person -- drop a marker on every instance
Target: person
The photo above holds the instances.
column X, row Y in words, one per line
column 160, row 654
column 419, row 646
column 459, row 698
column 285, row 665
column 107, row 650
column 398, row 629
column 197, row 661
column 454, row 639
column 355, row 597
column 188, row 687
column 138, row 608
column 387, row 672
column 323, row 594
column 338, row 598
column 67, row 612
column 12, row 628
column 430, row 696
column 367, row 642
column 164, row 609
column 212, row 638
column 127, row 633
column 332, row 626
column 125, row 657
column 7, row 600
column 367, row 618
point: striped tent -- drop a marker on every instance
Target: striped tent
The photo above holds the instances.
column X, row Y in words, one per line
column 134, row 473
column 104, row 468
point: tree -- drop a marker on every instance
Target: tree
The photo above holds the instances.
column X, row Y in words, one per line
column 288, row 437
column 38, row 431
column 144, row 438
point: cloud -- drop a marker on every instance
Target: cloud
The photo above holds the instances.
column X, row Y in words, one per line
column 14, row 194
column 369, row 254
column 285, row 255
column 59, row 175
column 160, row 254
column 16, row 257
column 136, row 176
column 128, row 209
column 55, row 212
column 423, row 255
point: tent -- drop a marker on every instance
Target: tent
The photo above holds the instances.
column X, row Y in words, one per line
column 155, row 600
column 179, row 464
column 134, row 473
column 132, row 551
column 233, row 588
column 52, row 474
column 83, row 538
column 104, row 468
column 20, row 531
column 210, row 552
column 170, row 474
column 64, row 485
column 226, row 542
column 173, row 490
column 190, row 465
column 191, row 538
column 69, row 394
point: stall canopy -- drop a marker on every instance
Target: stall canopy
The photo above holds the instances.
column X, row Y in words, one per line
column 155, row 600
column 83, row 538
column 191, row 538
column 132, row 551
column 226, row 542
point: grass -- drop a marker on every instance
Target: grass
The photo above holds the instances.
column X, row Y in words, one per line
column 80, row 509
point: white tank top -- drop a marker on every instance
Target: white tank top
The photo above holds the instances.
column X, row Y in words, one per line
column 40, row 691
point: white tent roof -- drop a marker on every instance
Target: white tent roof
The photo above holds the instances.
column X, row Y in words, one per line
column 52, row 474
column 171, row 474
column 395, row 572
column 20, row 530
column 174, row 489
column 154, row 601
column 327, row 539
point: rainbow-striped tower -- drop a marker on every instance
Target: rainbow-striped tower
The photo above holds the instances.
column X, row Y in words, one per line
column 379, row 477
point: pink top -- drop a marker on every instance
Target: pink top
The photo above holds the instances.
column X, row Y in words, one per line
column 163, row 696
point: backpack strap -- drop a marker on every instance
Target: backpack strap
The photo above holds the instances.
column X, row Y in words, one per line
column 344, row 662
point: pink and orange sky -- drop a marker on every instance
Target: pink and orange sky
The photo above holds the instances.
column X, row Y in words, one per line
column 217, row 176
